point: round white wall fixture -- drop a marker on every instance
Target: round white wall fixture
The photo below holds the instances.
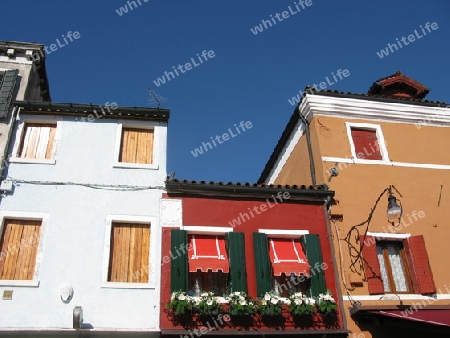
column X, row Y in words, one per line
column 66, row 292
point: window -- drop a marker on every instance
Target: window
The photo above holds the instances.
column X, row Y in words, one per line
column 129, row 253
column 37, row 141
column 213, row 262
column 283, row 262
column 366, row 143
column 208, row 264
column 19, row 243
column 288, row 265
column 397, row 266
column 391, row 257
column 136, row 146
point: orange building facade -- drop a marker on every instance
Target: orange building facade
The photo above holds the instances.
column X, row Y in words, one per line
column 378, row 150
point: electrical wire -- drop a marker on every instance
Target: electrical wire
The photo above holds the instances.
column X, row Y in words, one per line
column 355, row 253
column 341, row 265
column 89, row 185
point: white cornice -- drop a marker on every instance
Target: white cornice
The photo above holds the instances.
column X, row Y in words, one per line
column 285, row 153
column 420, row 115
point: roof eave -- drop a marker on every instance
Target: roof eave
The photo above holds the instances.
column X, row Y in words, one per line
column 242, row 191
column 74, row 109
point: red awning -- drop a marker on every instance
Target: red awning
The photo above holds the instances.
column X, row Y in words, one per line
column 286, row 255
column 207, row 253
column 435, row 317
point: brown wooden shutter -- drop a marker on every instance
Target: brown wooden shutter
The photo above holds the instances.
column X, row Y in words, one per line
column 366, row 144
column 19, row 244
column 371, row 265
column 419, row 265
column 137, row 146
column 38, row 141
column 129, row 257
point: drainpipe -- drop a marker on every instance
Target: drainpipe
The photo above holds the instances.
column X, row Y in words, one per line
column 332, row 236
column 312, row 167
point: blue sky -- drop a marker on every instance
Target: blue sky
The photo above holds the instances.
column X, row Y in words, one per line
column 250, row 78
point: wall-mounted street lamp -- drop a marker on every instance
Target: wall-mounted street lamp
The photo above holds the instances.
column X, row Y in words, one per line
column 394, row 215
column 394, row 211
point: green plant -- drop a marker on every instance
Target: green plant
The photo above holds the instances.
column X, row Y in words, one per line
column 207, row 304
column 301, row 305
column 240, row 304
column 181, row 303
column 326, row 303
column 270, row 305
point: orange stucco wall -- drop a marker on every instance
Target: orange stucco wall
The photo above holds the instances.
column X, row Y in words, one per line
column 425, row 194
column 404, row 142
column 297, row 167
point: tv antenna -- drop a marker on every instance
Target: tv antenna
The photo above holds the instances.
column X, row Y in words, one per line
column 155, row 98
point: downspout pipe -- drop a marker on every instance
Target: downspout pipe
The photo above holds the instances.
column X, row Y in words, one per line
column 312, row 166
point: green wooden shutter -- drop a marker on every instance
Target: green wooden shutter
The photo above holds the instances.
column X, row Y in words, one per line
column 263, row 267
column 236, row 256
column 179, row 262
column 314, row 255
column 6, row 90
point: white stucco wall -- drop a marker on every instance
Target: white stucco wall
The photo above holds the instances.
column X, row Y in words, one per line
column 73, row 240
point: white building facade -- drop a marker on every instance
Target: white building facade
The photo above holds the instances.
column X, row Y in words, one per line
column 79, row 220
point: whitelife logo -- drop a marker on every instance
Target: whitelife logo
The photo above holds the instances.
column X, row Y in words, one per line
column 225, row 137
column 187, row 66
column 258, row 209
column 322, row 85
column 124, row 9
column 53, row 47
column 285, row 14
column 411, row 38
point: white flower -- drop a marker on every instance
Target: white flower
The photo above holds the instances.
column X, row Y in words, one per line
column 243, row 302
column 297, row 302
column 209, row 302
column 267, row 296
column 172, row 296
column 298, row 294
column 263, row 302
column 181, row 297
column 237, row 293
column 204, row 294
column 274, row 301
column 287, row 302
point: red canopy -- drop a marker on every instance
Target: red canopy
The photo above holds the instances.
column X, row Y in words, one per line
column 435, row 317
column 287, row 256
column 206, row 253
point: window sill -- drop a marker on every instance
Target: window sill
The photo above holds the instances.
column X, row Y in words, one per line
column 135, row 166
column 29, row 283
column 363, row 161
column 116, row 285
column 31, row 160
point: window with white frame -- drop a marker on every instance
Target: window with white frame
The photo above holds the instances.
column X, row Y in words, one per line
column 366, row 142
column 393, row 268
column 18, row 244
column 37, row 141
column 136, row 145
column 129, row 252
column 20, row 247
column 396, row 263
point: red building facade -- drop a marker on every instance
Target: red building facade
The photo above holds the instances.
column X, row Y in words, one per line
column 261, row 245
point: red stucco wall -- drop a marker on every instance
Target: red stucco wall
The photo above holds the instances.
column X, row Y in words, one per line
column 221, row 212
